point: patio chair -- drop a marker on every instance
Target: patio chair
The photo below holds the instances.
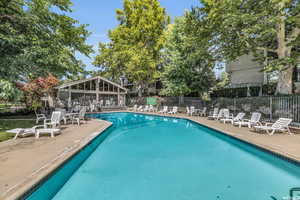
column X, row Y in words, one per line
column 164, row 110
column 282, row 125
column 187, row 110
column 80, row 116
column 51, row 131
column 39, row 117
column 151, row 108
column 54, row 121
column 214, row 114
column 238, row 117
column 23, row 132
column 190, row 110
column 174, row 110
column 140, row 108
column 202, row 113
column 146, row 109
column 224, row 114
column 135, row 108
column 254, row 120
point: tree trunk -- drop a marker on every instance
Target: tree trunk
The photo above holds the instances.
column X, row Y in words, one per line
column 140, row 90
column 285, row 82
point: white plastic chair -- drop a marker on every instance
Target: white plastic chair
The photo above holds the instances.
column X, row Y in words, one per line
column 80, row 116
column 282, row 124
column 254, row 120
column 239, row 117
column 214, row 115
column 164, row 110
column 54, row 121
column 146, row 109
column 39, row 117
column 174, row 110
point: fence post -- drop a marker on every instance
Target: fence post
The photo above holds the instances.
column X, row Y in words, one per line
column 271, row 108
column 234, row 105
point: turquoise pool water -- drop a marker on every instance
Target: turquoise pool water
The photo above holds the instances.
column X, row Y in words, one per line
column 145, row 157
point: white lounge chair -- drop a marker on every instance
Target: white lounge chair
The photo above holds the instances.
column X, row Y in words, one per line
column 214, row 114
column 51, row 131
column 202, row 113
column 54, row 121
column 174, row 111
column 79, row 117
column 282, row 125
column 146, row 109
column 164, row 110
column 238, row 117
column 135, row 108
column 254, row 120
column 23, row 132
column 151, row 108
column 190, row 110
column 140, row 108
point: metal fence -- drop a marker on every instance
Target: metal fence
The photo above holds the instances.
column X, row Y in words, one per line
column 271, row 107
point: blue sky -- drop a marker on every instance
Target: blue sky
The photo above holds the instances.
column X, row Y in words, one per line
column 100, row 15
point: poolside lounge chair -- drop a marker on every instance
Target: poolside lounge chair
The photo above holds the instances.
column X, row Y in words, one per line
column 214, row 114
column 255, row 120
column 54, row 121
column 135, row 108
column 239, row 117
column 80, row 116
column 187, row 110
column 164, row 110
column 190, row 110
column 174, row 111
column 151, row 108
column 146, row 109
column 282, row 125
column 140, row 108
column 23, row 132
column 224, row 114
column 51, row 131
column 202, row 113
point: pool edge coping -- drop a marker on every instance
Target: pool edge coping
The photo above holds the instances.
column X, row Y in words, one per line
column 32, row 181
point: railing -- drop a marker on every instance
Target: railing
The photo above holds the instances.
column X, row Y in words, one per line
column 271, row 107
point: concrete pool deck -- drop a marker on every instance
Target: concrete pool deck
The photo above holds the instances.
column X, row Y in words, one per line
column 25, row 161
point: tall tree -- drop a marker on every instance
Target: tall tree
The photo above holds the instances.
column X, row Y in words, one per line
column 188, row 61
column 249, row 26
column 37, row 37
column 136, row 44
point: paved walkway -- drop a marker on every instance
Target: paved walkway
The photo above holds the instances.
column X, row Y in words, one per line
column 24, row 160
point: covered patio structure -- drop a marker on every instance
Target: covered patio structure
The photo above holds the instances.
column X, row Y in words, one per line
column 96, row 91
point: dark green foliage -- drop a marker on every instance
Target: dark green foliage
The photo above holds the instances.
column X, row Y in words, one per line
column 37, row 37
column 188, row 62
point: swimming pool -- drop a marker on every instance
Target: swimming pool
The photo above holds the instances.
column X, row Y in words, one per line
column 143, row 157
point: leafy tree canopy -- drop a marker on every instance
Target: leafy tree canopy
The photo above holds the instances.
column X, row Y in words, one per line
column 188, row 61
column 136, row 44
column 240, row 27
column 37, row 37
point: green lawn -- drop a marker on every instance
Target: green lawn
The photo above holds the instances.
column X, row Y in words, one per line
column 11, row 124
